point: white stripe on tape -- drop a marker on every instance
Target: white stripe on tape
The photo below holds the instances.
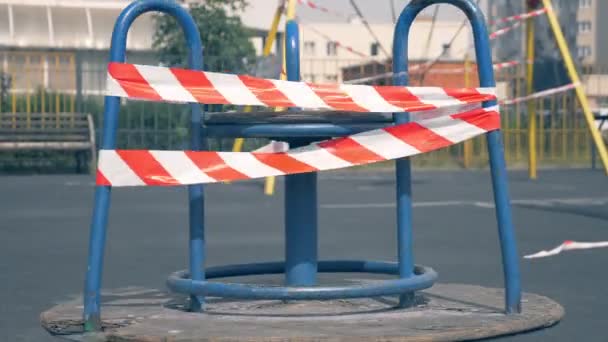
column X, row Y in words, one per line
column 434, row 96
column 451, row 129
column 180, row 167
column 113, row 87
column 566, row 246
column 300, row 94
column 384, row 144
column 164, row 82
column 368, row 98
column 273, row 147
column 115, row 170
column 318, row 157
column 248, row 165
column 443, row 111
column 233, row 89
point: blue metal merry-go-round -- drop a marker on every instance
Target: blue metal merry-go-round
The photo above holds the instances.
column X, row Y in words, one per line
column 301, row 264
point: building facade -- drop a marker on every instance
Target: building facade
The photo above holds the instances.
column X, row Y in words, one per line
column 46, row 44
column 592, row 41
column 43, row 43
column 582, row 22
column 325, row 47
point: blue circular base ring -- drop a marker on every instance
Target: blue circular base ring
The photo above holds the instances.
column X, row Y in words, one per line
column 423, row 278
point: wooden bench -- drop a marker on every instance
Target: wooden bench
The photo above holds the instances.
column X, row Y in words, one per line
column 50, row 132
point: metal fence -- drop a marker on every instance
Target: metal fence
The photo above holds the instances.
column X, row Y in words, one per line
column 58, row 82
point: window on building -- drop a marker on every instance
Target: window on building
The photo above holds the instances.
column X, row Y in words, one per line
column 309, row 48
column 374, row 49
column 584, row 51
column 584, row 26
column 332, row 48
column 584, row 3
column 310, row 78
column 331, row 78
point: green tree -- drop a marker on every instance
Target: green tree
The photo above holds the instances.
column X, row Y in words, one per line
column 226, row 42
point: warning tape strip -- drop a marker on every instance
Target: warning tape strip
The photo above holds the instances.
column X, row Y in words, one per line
column 520, row 17
column 315, row 6
column 567, row 246
column 540, row 94
column 504, row 30
column 493, row 36
column 155, row 168
column 182, row 85
column 504, row 65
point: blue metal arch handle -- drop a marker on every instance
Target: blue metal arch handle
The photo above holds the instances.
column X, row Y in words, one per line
column 112, row 104
column 497, row 163
column 102, row 193
column 480, row 33
column 118, row 54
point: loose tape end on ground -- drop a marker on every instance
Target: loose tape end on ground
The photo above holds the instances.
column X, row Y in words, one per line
column 567, row 246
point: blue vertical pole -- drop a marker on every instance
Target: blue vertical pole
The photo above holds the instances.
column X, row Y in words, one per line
column 403, row 169
column 498, row 167
column 495, row 149
column 196, row 198
column 91, row 312
column 300, row 195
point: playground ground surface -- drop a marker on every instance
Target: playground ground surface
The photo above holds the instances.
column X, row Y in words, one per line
column 45, row 220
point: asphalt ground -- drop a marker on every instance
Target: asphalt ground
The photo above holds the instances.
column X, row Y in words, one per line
column 45, row 221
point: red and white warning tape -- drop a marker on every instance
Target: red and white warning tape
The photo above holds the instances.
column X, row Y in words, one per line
column 181, row 85
column 493, row 36
column 567, row 246
column 450, row 116
column 504, row 65
column 149, row 167
column 540, row 94
column 315, row 6
column 504, row 30
column 520, row 17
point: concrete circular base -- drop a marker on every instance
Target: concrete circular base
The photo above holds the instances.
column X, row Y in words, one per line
column 445, row 312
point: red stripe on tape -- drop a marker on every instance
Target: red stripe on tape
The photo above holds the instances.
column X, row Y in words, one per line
column 266, row 92
column 468, row 95
column 284, row 163
column 485, row 120
column 350, row 150
column 335, row 97
column 132, row 82
column 214, row 166
column 199, row 86
column 419, row 137
column 402, row 98
column 147, row 167
column 100, row 179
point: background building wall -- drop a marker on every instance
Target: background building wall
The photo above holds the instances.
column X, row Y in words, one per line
column 600, row 23
column 320, row 66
